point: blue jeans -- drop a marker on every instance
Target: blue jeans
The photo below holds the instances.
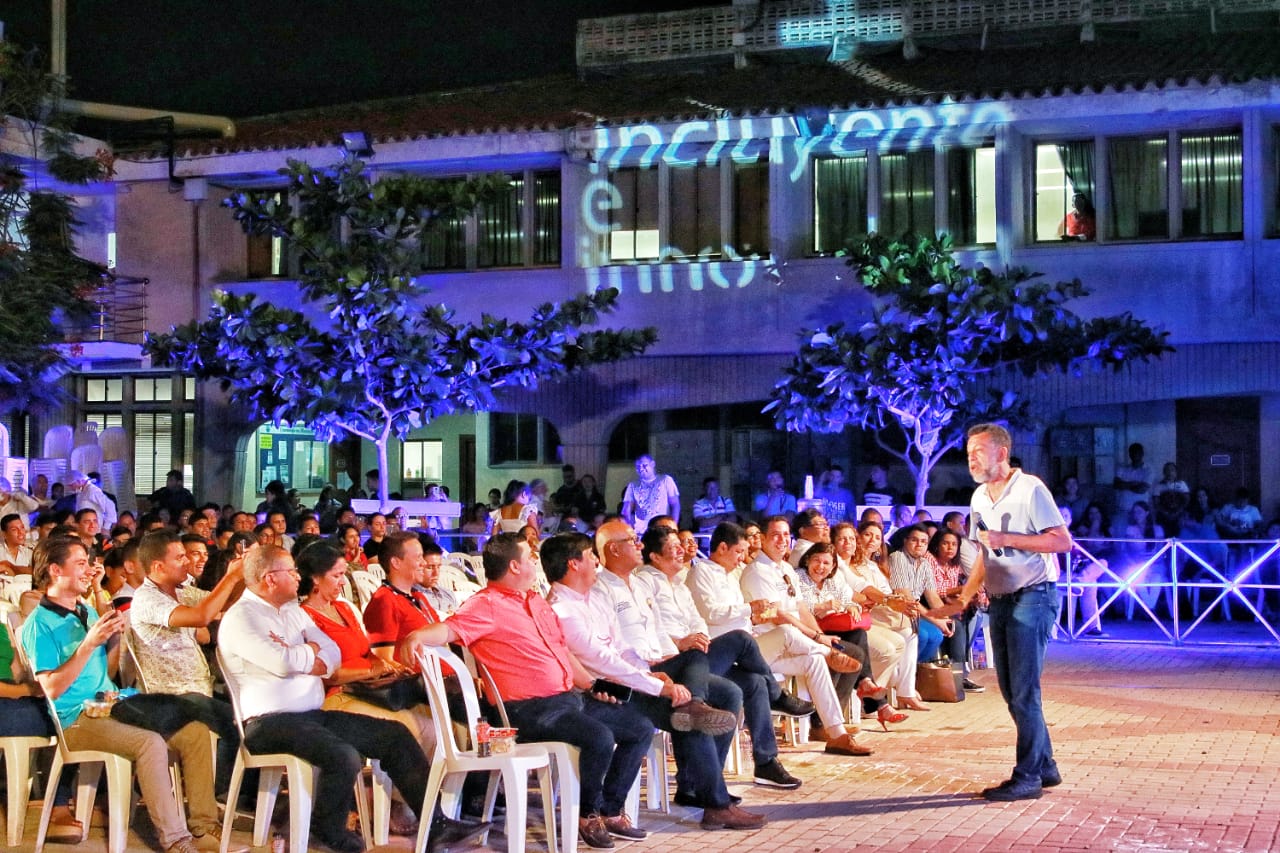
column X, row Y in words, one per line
column 736, row 656
column 1020, row 627
column 930, row 641
column 612, row 741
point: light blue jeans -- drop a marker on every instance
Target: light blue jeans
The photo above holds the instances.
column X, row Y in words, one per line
column 1020, row 627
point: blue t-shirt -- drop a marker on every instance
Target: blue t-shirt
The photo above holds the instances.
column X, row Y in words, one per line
column 50, row 637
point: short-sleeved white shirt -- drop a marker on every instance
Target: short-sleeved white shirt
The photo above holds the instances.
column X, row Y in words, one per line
column 1026, row 506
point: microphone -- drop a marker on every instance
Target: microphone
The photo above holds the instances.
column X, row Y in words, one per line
column 982, row 525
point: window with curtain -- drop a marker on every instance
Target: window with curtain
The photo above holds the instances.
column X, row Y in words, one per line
column 1139, row 187
column 1212, row 184
column 695, row 211
column 633, row 222
column 839, row 202
column 152, row 450
column 546, row 217
column 751, row 209
column 1064, row 187
column 447, row 242
column 500, row 228
column 971, row 195
column 906, row 194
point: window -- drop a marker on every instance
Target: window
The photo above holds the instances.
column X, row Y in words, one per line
column 971, row 195
column 291, row 455
column 839, row 202
column 104, row 390
column 1139, row 187
column 1212, row 184
column 446, row 240
column 1064, row 185
column 689, row 201
column 268, row 254
column 154, row 411
column 501, row 227
column 152, row 450
column 422, row 460
column 906, row 193
column 750, row 210
column 522, row 438
column 630, row 438
column 633, row 222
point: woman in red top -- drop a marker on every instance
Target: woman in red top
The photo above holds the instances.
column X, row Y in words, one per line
column 349, row 536
column 324, row 578
column 949, row 577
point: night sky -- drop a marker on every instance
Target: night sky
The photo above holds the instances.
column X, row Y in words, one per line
column 249, row 57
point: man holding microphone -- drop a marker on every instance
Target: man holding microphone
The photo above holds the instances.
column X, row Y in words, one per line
column 1017, row 523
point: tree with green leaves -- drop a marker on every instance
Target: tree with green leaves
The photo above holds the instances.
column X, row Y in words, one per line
column 42, row 281
column 371, row 358
column 940, row 349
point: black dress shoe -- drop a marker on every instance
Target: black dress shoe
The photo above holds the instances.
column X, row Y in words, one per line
column 791, row 706
column 347, row 842
column 1050, row 779
column 446, row 831
column 693, row 801
column 1008, row 791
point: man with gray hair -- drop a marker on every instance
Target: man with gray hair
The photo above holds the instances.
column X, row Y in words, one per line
column 89, row 496
column 1018, row 527
column 278, row 658
column 13, row 501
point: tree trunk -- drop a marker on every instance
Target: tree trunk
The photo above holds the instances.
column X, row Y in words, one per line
column 383, row 472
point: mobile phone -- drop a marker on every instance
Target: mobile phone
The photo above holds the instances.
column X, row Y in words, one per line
column 610, row 688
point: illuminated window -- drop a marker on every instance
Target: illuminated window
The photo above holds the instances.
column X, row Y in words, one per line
column 971, row 195
column 291, row 455
column 546, row 218
column 839, row 202
column 633, row 222
column 522, row 438
column 103, row 420
column 110, row 390
column 153, row 442
column 692, row 210
column 147, row 389
column 1064, row 174
column 422, row 460
column 1212, row 184
column 906, row 193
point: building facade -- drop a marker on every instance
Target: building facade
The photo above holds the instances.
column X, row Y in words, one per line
column 716, row 198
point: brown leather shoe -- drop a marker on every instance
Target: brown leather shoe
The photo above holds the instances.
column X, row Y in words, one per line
column 841, row 662
column 593, row 832
column 732, row 817
column 846, row 745
column 698, row 716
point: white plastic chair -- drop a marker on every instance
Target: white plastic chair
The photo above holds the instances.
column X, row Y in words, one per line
column 92, row 762
column 17, row 757
column 452, row 761
column 364, row 585
column 564, row 763
column 302, row 787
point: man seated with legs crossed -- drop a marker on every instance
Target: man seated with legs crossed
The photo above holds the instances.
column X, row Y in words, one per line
column 73, row 653
column 734, row 654
column 671, row 690
column 278, row 657
column 789, row 645
column 514, row 633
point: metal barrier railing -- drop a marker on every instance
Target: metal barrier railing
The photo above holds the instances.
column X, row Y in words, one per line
column 1201, row 577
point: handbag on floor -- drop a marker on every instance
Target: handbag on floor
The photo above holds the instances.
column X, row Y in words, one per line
column 940, row 682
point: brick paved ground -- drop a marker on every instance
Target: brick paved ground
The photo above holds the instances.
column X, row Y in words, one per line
column 1160, row 749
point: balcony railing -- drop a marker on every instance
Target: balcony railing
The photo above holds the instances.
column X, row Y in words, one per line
column 1167, row 590
column 118, row 312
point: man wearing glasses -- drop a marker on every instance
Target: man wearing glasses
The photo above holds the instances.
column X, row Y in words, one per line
column 790, row 637
column 279, row 657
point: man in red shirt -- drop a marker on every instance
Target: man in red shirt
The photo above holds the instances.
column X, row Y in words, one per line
column 517, row 636
column 397, row 608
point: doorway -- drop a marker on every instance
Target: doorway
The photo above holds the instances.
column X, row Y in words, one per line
column 466, row 470
column 1218, row 445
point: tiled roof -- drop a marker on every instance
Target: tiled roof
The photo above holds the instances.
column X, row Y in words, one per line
column 565, row 102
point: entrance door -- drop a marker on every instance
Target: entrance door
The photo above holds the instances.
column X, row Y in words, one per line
column 1218, row 445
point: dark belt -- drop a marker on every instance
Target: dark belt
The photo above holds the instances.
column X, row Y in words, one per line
column 1045, row 585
